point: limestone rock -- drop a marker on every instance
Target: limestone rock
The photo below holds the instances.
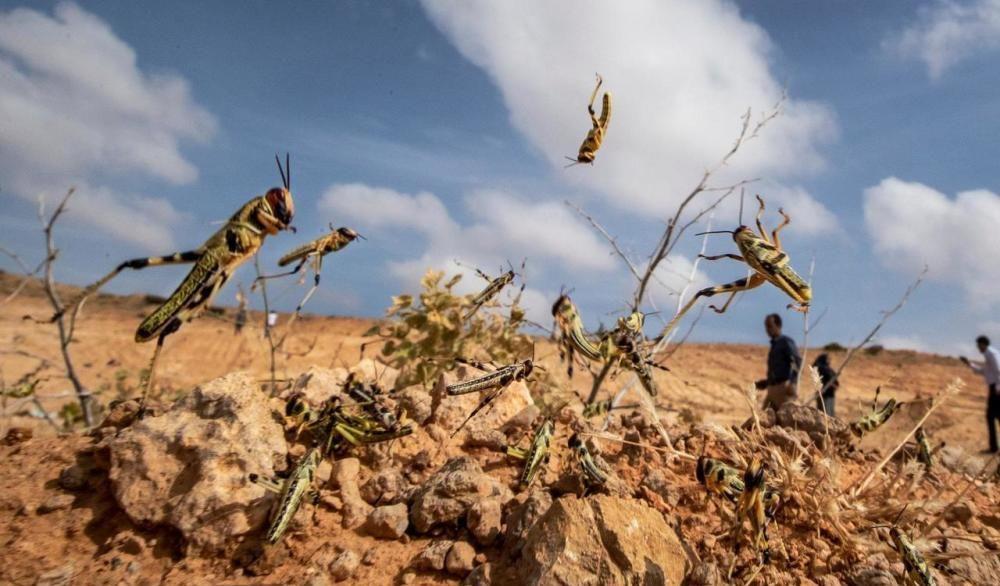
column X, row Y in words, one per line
column 386, row 487
column 344, row 566
column 318, row 384
column 376, row 372
column 193, row 462
column 388, row 522
column 523, row 517
column 602, row 540
column 416, row 403
column 485, row 520
column 460, row 558
column 810, row 420
column 345, row 476
column 433, row 556
column 451, row 411
column 447, row 496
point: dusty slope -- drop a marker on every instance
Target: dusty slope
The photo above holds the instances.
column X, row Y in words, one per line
column 706, row 382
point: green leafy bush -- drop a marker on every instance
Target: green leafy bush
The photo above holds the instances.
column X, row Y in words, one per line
column 424, row 335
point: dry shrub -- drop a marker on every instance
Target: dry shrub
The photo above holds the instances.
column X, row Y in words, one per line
column 424, row 335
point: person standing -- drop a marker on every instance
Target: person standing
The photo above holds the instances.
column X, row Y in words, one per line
column 783, row 363
column 828, row 378
column 989, row 368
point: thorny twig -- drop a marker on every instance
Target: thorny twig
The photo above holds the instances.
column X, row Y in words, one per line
column 28, row 274
column 885, row 317
column 65, row 334
column 805, row 329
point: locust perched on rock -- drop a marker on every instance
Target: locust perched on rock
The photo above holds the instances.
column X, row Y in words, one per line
column 535, row 456
column 492, row 383
column 769, row 263
column 595, row 136
column 214, row 263
column 593, row 476
column 292, row 491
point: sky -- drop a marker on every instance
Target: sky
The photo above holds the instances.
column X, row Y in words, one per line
column 438, row 129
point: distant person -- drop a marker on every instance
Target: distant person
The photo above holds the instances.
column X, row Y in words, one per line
column 241, row 310
column 990, row 369
column 783, row 363
column 827, row 378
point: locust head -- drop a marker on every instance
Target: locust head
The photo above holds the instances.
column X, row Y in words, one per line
column 349, row 235
column 279, row 199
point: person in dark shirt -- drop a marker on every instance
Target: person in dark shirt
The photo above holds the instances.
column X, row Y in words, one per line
column 783, row 363
column 826, row 375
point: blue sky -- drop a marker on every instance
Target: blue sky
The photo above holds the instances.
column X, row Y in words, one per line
column 438, row 130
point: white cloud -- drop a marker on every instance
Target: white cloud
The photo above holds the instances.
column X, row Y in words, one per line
column 949, row 32
column 503, row 227
column 75, row 105
column 913, row 225
column 681, row 73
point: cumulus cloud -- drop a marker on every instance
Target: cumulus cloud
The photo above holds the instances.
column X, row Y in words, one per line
column 502, row 227
column 913, row 224
column 74, row 105
column 948, row 33
column 681, row 73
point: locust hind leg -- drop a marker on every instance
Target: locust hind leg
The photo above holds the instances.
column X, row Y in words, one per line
column 785, row 220
column 720, row 256
column 170, row 328
column 760, row 213
column 318, row 267
column 136, row 264
column 733, row 288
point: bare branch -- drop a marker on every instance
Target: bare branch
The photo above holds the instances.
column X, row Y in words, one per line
column 65, row 333
column 267, row 324
column 611, row 239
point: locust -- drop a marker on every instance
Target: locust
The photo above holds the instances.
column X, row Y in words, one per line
column 368, row 396
column 313, row 251
column 768, row 262
column 536, row 455
column 915, row 568
column 598, row 408
column 492, row 289
column 877, row 417
column 214, row 263
column 623, row 347
column 492, row 383
column 719, row 478
column 291, row 494
column 595, row 136
column 593, row 476
column 333, row 423
column 752, row 506
column 571, row 336
column 924, row 452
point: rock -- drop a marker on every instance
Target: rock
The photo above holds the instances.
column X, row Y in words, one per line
column 975, row 569
column 193, row 462
column 485, row 521
column 460, row 559
column 448, row 494
column 345, row 476
column 656, row 481
column 871, row 575
column 317, row 580
column 810, row 420
column 960, row 512
column 481, row 575
column 386, row 487
column 492, row 439
column 602, row 540
column 450, row 411
column 416, row 403
column 388, row 522
column 73, row 477
column 120, row 415
column 433, row 556
column 344, row 566
column 523, row 420
column 522, row 518
column 56, row 502
column 317, row 384
column 382, row 374
column 705, row 574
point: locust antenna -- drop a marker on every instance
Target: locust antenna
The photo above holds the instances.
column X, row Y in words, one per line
column 288, row 171
column 743, row 193
column 575, row 162
column 714, row 232
column 284, row 181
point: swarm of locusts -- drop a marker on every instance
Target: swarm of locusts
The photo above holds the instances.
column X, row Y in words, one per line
column 755, row 482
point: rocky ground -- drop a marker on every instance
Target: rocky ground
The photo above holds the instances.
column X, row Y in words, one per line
column 167, row 499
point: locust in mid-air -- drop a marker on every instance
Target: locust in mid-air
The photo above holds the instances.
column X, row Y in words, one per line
column 769, row 263
column 291, row 493
column 493, row 383
column 493, row 288
column 214, row 262
column 313, row 251
column 595, row 136
column 877, row 417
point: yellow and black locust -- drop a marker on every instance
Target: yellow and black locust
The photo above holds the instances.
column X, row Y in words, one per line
column 492, row 383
